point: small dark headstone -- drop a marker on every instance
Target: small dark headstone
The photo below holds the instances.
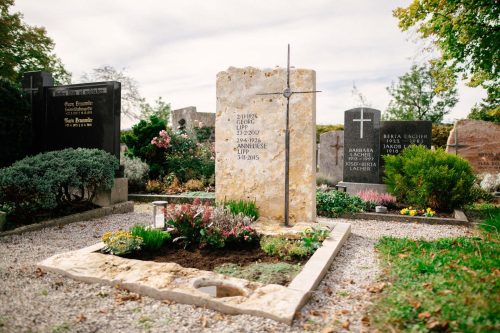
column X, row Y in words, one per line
column 84, row 115
column 361, row 145
column 397, row 135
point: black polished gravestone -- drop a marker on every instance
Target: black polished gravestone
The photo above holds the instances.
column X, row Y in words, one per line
column 397, row 135
column 361, row 145
column 84, row 115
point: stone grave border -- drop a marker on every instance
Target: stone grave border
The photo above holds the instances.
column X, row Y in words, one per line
column 119, row 208
column 170, row 281
column 459, row 218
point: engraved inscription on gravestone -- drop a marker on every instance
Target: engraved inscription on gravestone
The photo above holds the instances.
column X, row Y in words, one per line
column 397, row 135
column 83, row 115
column 248, row 140
column 361, row 145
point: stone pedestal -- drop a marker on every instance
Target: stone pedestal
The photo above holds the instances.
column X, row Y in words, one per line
column 250, row 141
column 117, row 194
column 355, row 188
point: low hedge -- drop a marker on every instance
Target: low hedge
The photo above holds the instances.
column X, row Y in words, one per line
column 55, row 180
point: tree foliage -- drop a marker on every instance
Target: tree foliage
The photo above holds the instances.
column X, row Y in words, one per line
column 467, row 33
column 25, row 48
column 131, row 98
column 160, row 109
column 419, row 95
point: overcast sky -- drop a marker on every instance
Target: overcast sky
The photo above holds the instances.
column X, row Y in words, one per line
column 174, row 49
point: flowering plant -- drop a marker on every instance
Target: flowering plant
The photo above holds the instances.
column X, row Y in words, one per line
column 413, row 212
column 121, row 242
column 163, row 141
column 377, row 198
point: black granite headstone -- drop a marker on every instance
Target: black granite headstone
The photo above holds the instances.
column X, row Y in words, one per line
column 361, row 145
column 33, row 83
column 83, row 115
column 399, row 134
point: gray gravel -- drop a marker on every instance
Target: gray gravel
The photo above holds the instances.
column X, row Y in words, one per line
column 32, row 301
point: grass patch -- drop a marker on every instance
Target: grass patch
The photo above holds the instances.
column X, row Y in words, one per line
column 153, row 239
column 451, row 284
column 266, row 273
column 245, row 207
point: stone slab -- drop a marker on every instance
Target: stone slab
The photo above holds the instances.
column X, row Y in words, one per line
column 117, row 194
column 478, row 142
column 250, row 141
column 331, row 155
column 185, row 285
column 355, row 188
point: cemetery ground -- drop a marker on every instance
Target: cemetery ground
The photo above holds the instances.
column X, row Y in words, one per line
column 379, row 280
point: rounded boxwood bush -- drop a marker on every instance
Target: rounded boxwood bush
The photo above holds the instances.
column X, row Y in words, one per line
column 426, row 178
column 55, row 179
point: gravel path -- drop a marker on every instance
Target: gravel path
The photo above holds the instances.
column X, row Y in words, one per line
column 34, row 301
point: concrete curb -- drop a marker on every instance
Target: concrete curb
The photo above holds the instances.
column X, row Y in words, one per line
column 119, row 208
column 176, row 199
column 460, row 218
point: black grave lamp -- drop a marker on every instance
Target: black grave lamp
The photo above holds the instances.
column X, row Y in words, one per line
column 287, row 93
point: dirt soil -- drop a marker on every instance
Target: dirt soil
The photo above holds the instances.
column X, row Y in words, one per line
column 207, row 258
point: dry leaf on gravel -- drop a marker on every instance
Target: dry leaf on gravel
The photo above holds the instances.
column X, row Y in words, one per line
column 346, row 324
column 328, row 330
column 81, row 318
column 365, row 321
column 204, row 321
column 39, row 272
column 425, row 314
column 436, row 325
column 122, row 297
column 376, row 287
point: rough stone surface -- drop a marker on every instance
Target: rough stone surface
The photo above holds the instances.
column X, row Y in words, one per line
column 117, row 194
column 250, row 141
column 478, row 142
column 331, row 155
column 192, row 118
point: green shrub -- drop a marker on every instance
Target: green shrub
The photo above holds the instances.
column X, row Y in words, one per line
column 15, row 124
column 286, row 249
column 312, row 238
column 181, row 156
column 425, row 178
column 440, row 134
column 136, row 172
column 55, row 179
column 245, row 207
column 153, row 239
column 485, row 114
column 335, row 203
column 121, row 242
column 325, row 180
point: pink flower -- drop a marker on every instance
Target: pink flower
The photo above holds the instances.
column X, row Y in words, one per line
column 246, row 237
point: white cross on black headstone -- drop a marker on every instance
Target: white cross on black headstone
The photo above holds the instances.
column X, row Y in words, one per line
column 361, row 120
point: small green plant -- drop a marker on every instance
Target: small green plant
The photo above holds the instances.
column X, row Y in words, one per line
column 276, row 273
column 335, row 203
column 245, row 207
column 121, row 242
column 153, row 239
column 312, row 238
column 286, row 249
column 429, row 178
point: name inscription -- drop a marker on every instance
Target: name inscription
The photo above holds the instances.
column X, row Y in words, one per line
column 248, row 142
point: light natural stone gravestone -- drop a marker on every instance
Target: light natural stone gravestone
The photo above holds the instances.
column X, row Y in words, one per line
column 478, row 142
column 331, row 155
column 188, row 118
column 250, row 141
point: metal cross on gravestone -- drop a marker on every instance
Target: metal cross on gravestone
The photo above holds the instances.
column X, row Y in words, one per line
column 337, row 147
column 31, row 90
column 456, row 145
column 287, row 93
column 361, row 120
